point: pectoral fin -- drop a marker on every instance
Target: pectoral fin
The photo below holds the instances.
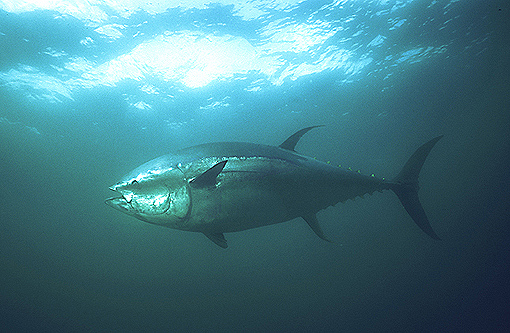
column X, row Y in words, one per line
column 217, row 238
column 208, row 178
column 314, row 224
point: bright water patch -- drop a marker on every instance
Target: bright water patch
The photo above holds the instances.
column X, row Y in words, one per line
column 261, row 44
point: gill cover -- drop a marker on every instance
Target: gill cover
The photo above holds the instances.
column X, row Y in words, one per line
column 157, row 198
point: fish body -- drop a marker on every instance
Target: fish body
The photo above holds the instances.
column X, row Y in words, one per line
column 224, row 187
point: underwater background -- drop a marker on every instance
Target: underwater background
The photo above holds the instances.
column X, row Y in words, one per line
column 89, row 90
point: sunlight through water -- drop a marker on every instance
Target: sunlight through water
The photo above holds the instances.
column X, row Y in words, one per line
column 275, row 48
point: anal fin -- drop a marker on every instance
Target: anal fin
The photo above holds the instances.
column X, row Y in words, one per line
column 311, row 219
column 217, row 238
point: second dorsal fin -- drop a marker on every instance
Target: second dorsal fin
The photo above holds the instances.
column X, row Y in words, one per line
column 292, row 140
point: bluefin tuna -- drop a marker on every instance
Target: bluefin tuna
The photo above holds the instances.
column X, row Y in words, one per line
column 224, row 187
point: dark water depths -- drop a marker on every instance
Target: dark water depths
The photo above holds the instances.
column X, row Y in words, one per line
column 89, row 93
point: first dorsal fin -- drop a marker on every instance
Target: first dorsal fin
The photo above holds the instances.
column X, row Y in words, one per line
column 291, row 142
column 208, row 178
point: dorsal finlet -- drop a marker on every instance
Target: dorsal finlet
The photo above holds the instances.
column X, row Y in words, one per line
column 292, row 140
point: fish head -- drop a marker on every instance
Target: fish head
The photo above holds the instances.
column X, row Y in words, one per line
column 154, row 193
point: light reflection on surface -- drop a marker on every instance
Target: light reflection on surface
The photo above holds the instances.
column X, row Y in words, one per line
column 335, row 37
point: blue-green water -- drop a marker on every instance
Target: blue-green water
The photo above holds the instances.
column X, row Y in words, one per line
column 90, row 91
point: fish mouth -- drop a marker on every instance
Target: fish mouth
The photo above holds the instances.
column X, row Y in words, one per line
column 118, row 202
